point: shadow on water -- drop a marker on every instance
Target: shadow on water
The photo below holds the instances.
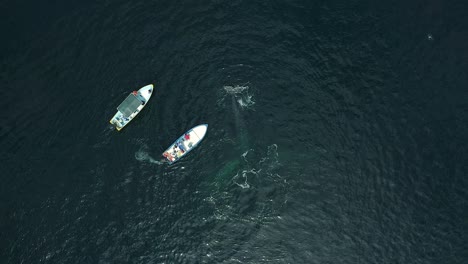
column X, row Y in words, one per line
column 240, row 99
column 245, row 193
column 245, row 189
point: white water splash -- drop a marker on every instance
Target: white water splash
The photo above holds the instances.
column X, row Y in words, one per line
column 235, row 89
column 241, row 95
column 246, row 102
column 244, row 155
column 259, row 171
column 245, row 175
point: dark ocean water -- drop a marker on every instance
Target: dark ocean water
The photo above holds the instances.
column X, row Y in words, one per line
column 337, row 133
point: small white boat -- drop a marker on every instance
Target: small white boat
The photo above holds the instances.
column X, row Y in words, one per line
column 131, row 106
column 184, row 144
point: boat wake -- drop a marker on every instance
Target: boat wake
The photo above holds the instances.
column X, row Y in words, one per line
column 142, row 155
column 103, row 139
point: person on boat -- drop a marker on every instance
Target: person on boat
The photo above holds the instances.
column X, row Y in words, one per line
column 168, row 156
column 134, row 92
column 187, row 136
column 181, row 147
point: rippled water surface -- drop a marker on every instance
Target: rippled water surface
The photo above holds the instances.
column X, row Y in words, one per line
column 337, row 132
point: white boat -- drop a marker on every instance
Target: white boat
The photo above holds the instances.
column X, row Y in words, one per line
column 185, row 143
column 131, row 106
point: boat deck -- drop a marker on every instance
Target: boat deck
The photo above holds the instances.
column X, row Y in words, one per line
column 184, row 144
column 131, row 106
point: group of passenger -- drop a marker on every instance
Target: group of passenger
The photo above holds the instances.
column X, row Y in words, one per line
column 178, row 149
